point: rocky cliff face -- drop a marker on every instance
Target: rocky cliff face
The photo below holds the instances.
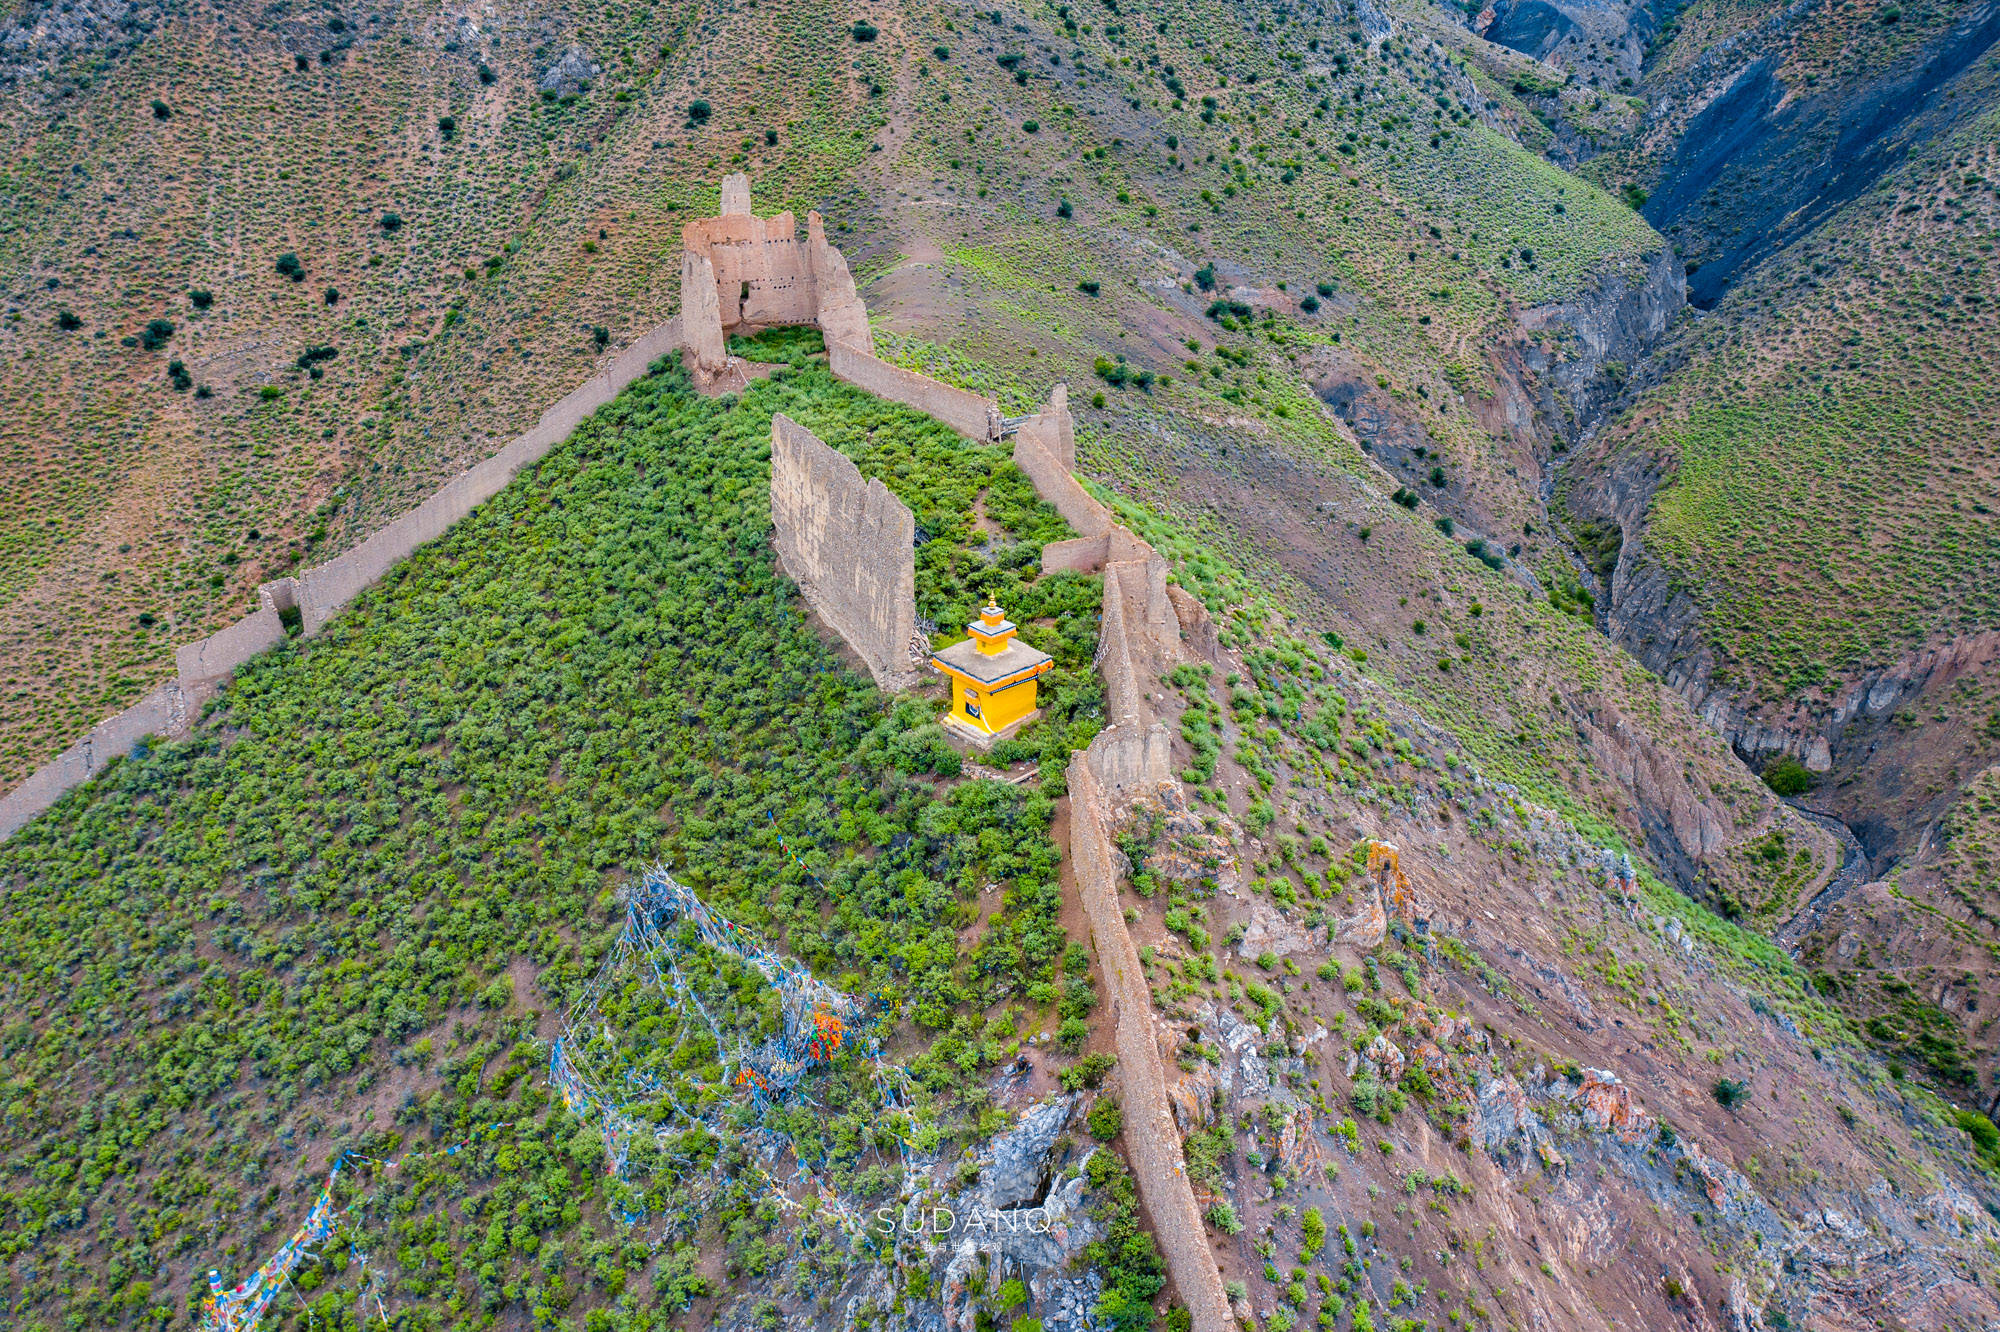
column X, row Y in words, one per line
column 1751, row 144
column 43, row 35
column 1864, row 735
column 1758, row 157
column 1586, row 35
column 1587, row 346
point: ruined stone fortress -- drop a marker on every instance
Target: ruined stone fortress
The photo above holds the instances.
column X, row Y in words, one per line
column 741, row 273
column 848, row 543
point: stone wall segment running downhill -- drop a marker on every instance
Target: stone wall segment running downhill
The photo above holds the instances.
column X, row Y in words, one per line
column 849, row 544
column 1151, row 1136
column 319, row 593
column 1141, row 635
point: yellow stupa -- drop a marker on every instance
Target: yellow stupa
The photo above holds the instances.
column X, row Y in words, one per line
column 992, row 676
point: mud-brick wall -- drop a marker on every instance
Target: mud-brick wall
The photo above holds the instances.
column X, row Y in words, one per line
column 967, row 413
column 850, row 545
column 326, row 588
column 842, row 316
column 1039, row 451
column 319, row 593
column 1151, row 1138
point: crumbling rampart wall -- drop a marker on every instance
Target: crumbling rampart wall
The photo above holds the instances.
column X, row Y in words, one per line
column 1053, row 428
column 319, row 593
column 741, row 273
column 701, row 312
column 968, row 413
column 1151, row 1137
column 842, row 316
column 1140, row 635
column 326, row 588
column 850, row 545
column 1038, row 451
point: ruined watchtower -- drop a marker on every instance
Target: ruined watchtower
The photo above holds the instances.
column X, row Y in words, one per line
column 741, row 273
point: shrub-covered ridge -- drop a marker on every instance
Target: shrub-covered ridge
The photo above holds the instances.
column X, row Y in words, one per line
column 339, row 915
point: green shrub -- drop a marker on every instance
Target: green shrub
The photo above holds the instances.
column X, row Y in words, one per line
column 1223, row 1217
column 1127, row 1256
column 309, row 359
column 629, row 679
column 1088, row 1072
column 1985, row 1137
column 155, row 334
column 289, row 266
column 863, row 31
column 1788, row 777
column 1729, row 1093
column 1312, row 1226
column 926, row 749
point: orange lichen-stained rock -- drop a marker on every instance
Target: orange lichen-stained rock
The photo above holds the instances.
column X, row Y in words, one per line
column 1299, row 1149
column 1387, row 1056
column 1193, row 1100
column 1608, row 1104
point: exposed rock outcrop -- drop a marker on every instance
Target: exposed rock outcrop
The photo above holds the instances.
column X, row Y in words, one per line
column 1848, row 727
column 42, row 34
column 1597, row 335
column 1019, row 1173
column 572, row 72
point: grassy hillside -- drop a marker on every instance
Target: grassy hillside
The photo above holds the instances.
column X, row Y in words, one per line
column 1359, row 195
column 1835, row 492
column 460, row 239
column 344, row 915
column 341, row 916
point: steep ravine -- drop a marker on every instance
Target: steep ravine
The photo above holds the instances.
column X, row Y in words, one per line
column 1761, row 165
column 1744, row 159
column 1585, row 349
